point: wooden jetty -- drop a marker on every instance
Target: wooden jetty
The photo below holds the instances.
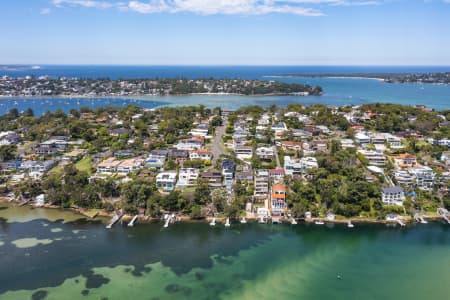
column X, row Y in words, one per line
column 131, row 223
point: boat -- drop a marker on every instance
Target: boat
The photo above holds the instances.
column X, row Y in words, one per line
column 350, row 225
column 422, row 221
column 166, row 224
column 319, row 223
column 293, row 222
column 213, row 222
column 243, row 221
column 261, row 220
column 227, row 223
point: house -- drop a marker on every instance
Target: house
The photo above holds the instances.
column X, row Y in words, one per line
column 37, row 168
column 244, row 176
column 374, row 158
column 245, row 152
column 300, row 133
column 46, row 150
column 108, row 166
column 404, row 178
column 159, row 154
column 291, row 146
column 292, row 166
column 228, row 167
column 190, row 144
column 440, row 142
column 201, row 154
column 278, row 199
column 123, row 153
column 188, row 177
column 166, row 181
column 392, row 196
column 9, row 138
column 73, row 155
column 10, row 165
column 324, row 129
column 130, row 165
column 309, row 162
column 178, row 155
column 276, row 174
column 212, row 178
column 116, row 132
column 424, row 177
column 405, row 160
column 347, row 143
column 314, row 146
column 362, row 139
column 261, row 184
column 265, row 153
column 279, row 128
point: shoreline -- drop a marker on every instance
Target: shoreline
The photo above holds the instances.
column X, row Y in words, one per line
column 104, row 216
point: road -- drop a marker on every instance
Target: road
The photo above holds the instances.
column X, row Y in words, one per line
column 276, row 156
column 217, row 147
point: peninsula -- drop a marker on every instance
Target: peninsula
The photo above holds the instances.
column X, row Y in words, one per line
column 421, row 78
column 30, row 86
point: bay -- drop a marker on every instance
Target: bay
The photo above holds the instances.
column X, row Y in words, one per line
column 80, row 259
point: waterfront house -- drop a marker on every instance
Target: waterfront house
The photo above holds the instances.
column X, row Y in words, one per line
column 212, row 178
column 228, row 167
column 193, row 143
column 166, row 181
column 108, row 166
column 445, row 157
column 392, row 196
column 129, row 165
column 244, row 176
column 261, row 184
column 9, row 138
column 362, row 138
column 278, row 199
column 347, row 143
column 10, row 165
column 424, row 177
column 292, row 166
column 37, row 168
column 188, row 177
column 404, row 178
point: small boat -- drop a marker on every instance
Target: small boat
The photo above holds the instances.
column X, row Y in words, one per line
column 261, row 220
column 319, row 223
column 213, row 222
column 227, row 223
column 243, row 221
column 422, row 221
column 350, row 225
column 293, row 222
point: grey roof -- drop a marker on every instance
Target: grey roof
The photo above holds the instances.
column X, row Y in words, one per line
column 392, row 190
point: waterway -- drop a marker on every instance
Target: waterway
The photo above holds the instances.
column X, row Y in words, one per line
column 46, row 254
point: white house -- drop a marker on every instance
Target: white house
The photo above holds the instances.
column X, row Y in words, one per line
column 166, row 180
column 392, row 196
column 244, row 152
column 188, row 177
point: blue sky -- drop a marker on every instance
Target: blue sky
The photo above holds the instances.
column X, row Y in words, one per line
column 225, row 32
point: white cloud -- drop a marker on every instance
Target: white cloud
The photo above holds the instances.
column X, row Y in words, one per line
column 45, row 11
column 210, row 7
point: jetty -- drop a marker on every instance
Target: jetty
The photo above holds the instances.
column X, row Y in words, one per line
column 131, row 224
column 243, row 221
column 444, row 214
column 349, row 224
column 400, row 222
column 227, row 223
column 419, row 219
column 168, row 219
column 213, row 222
column 261, row 220
column 114, row 220
column 293, row 221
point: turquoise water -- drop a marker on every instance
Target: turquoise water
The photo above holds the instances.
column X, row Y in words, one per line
column 82, row 260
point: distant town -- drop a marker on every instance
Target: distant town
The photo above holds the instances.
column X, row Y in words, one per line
column 374, row 162
column 30, row 86
column 421, row 78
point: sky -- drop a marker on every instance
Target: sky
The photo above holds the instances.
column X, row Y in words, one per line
column 225, row 32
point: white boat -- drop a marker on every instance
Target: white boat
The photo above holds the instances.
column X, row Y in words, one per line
column 422, row 221
column 213, row 222
column 350, row 225
column 319, row 223
column 243, row 221
column 227, row 223
column 293, row 222
column 261, row 220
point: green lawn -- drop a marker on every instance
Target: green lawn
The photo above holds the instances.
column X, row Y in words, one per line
column 85, row 164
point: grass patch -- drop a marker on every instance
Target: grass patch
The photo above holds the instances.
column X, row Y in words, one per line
column 85, row 165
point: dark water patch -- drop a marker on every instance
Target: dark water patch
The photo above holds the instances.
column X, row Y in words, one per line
column 3, row 207
column 85, row 292
column 139, row 271
column 176, row 288
column 128, row 270
column 94, row 281
column 39, row 295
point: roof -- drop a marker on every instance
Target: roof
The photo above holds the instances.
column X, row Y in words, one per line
column 276, row 171
column 392, row 190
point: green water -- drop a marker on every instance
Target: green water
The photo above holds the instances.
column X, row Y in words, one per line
column 78, row 259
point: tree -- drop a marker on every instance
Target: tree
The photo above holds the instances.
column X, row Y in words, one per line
column 202, row 194
column 219, row 199
column 7, row 152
